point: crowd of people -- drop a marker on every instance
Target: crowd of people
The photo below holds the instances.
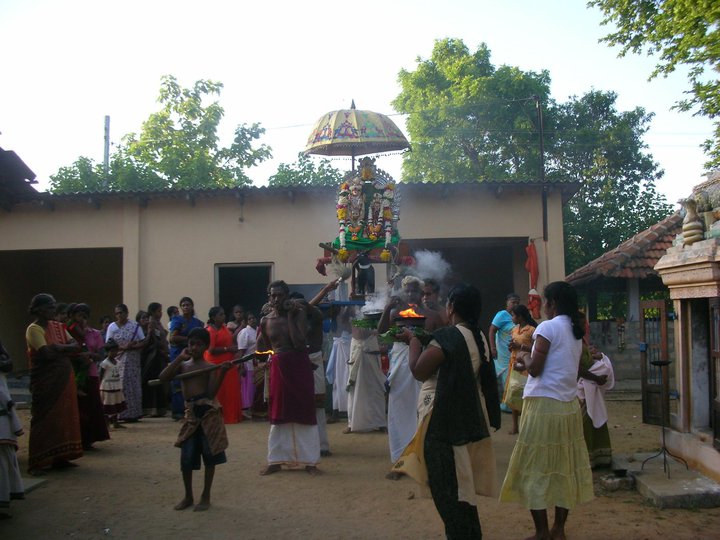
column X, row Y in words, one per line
column 438, row 399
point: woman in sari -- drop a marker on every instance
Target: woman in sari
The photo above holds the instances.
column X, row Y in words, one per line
column 55, row 437
column 155, row 358
column 130, row 337
column 222, row 349
column 179, row 328
column 520, row 347
column 452, row 450
column 92, row 419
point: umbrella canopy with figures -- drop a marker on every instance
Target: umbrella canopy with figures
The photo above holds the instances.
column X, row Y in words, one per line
column 353, row 132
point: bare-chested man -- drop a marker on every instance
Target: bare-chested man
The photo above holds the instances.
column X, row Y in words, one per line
column 431, row 299
column 314, row 344
column 404, row 389
column 293, row 439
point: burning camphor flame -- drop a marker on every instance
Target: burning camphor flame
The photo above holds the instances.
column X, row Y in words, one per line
column 269, row 351
column 410, row 313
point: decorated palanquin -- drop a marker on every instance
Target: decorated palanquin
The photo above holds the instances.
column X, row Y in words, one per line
column 368, row 211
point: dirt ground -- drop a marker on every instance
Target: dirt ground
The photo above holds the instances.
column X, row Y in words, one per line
column 128, row 487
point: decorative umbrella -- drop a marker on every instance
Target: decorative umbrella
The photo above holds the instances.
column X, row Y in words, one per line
column 352, row 132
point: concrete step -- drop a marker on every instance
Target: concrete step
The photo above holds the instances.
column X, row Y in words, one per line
column 669, row 484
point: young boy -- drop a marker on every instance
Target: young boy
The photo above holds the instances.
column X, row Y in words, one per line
column 11, row 486
column 202, row 432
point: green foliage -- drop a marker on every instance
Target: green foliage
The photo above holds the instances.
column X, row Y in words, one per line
column 681, row 33
column 304, row 173
column 602, row 149
column 178, row 147
column 468, row 120
column 471, row 121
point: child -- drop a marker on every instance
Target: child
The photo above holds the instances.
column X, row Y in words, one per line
column 111, row 388
column 11, row 486
column 202, row 432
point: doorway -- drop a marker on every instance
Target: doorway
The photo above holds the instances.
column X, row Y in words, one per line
column 244, row 284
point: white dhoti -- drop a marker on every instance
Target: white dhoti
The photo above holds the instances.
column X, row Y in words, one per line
column 338, row 371
column 11, row 484
column 319, row 380
column 366, row 398
column 402, row 401
column 293, row 445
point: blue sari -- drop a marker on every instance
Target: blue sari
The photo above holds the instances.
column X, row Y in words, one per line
column 503, row 336
column 179, row 326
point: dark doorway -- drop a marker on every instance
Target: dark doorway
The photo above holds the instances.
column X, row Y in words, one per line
column 90, row 275
column 242, row 284
column 493, row 265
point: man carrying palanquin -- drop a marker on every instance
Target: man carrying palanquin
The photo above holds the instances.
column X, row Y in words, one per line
column 294, row 439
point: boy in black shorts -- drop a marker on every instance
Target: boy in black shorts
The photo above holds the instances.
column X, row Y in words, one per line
column 202, row 432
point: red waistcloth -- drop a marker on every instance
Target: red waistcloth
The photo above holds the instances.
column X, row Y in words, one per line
column 292, row 389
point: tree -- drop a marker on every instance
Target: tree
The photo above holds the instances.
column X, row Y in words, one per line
column 471, row 121
column 602, row 149
column 177, row 148
column 305, row 173
column 468, row 120
column 681, row 32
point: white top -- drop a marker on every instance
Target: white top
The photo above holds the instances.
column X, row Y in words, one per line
column 247, row 339
column 559, row 377
column 112, row 379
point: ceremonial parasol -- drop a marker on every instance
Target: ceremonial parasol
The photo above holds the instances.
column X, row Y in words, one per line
column 353, row 132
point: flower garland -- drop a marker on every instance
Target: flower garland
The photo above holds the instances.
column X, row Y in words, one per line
column 342, row 208
column 387, row 216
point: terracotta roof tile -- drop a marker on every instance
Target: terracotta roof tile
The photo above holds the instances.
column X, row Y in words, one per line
column 634, row 258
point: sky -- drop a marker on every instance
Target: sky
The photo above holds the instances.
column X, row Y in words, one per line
column 284, row 63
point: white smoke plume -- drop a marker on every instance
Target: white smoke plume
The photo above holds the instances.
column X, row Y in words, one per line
column 430, row 264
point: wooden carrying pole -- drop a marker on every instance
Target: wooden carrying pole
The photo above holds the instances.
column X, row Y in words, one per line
column 202, row 371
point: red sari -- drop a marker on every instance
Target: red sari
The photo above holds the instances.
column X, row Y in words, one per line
column 55, row 422
column 229, row 393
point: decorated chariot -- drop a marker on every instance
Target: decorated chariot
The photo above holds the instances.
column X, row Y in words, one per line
column 368, row 199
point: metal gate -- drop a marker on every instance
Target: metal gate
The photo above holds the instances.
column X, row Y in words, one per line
column 654, row 348
column 715, row 370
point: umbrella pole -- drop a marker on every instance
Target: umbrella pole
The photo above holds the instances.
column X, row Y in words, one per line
column 352, row 155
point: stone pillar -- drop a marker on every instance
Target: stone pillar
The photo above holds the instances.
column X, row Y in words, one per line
column 633, row 298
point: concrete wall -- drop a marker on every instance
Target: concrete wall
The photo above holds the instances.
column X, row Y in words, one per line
column 626, row 362
column 170, row 245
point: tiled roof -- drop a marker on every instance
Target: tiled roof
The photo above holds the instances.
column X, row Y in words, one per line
column 634, row 258
column 568, row 189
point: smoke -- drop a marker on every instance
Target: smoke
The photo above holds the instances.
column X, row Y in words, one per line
column 430, row 264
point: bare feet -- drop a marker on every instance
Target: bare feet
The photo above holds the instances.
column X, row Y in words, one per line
column 270, row 469
column 185, row 503
column 347, row 430
column 312, row 470
column 513, row 432
column 394, row 475
column 202, row 506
